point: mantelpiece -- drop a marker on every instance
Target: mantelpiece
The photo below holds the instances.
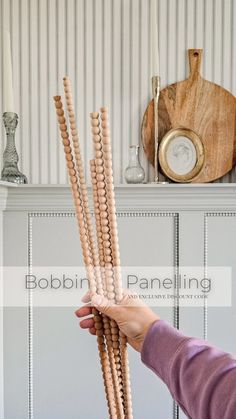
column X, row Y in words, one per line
column 146, row 197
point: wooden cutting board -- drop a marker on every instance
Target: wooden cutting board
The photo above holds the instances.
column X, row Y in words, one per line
column 203, row 107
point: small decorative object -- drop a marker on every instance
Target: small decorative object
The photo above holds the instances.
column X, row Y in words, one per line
column 154, row 66
column 10, row 171
column 156, row 93
column 134, row 173
column 181, row 155
column 202, row 107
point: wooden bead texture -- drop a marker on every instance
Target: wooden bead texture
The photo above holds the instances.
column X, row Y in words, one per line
column 107, row 158
column 108, row 172
column 102, row 199
column 98, row 225
column 82, row 182
column 104, row 360
column 112, row 344
column 102, row 220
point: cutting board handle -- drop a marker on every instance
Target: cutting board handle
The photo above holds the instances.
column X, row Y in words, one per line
column 195, row 60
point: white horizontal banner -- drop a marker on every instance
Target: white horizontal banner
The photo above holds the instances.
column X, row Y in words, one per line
column 156, row 286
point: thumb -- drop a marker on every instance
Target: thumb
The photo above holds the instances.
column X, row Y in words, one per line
column 103, row 305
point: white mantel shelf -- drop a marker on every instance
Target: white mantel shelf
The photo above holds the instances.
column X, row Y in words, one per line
column 143, row 197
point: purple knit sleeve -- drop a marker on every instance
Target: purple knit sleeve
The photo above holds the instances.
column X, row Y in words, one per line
column 201, row 378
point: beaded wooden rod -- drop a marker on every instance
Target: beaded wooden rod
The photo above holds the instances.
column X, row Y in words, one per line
column 107, row 258
column 96, row 262
column 103, row 164
column 115, row 254
column 111, row 339
column 87, row 254
column 82, row 181
column 102, row 259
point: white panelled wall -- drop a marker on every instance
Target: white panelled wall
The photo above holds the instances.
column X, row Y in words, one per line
column 103, row 45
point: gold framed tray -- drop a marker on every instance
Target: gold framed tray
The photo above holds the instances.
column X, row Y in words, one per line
column 181, row 154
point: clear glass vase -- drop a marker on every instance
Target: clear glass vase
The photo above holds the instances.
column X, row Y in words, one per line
column 134, row 173
column 10, row 171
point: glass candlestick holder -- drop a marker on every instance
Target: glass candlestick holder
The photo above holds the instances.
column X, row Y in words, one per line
column 10, row 171
column 134, row 173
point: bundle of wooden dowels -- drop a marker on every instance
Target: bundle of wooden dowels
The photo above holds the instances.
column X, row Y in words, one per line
column 101, row 256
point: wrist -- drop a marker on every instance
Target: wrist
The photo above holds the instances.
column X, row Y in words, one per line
column 149, row 326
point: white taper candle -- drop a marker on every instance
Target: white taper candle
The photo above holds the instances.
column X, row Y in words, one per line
column 8, row 105
column 154, row 53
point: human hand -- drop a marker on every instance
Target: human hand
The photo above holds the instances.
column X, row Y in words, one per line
column 132, row 316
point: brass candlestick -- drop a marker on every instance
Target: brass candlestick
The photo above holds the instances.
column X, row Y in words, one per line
column 156, row 94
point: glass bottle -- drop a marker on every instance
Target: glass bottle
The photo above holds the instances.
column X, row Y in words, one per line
column 134, row 173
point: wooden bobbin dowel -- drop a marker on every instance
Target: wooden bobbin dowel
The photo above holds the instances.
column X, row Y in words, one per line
column 102, row 198
column 75, row 192
column 86, row 251
column 112, row 333
column 106, row 320
column 108, row 172
column 105, row 362
column 82, row 181
column 98, row 224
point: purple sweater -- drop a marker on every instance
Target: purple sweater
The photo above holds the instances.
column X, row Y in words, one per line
column 201, row 378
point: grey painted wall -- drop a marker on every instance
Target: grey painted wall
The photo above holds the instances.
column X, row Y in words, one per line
column 65, row 368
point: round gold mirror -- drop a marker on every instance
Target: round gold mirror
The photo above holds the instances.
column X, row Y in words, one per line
column 181, row 155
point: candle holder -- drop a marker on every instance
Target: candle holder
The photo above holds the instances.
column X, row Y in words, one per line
column 10, row 171
column 156, row 93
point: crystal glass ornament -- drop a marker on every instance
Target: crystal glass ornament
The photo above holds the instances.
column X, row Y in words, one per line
column 10, row 171
column 134, row 173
